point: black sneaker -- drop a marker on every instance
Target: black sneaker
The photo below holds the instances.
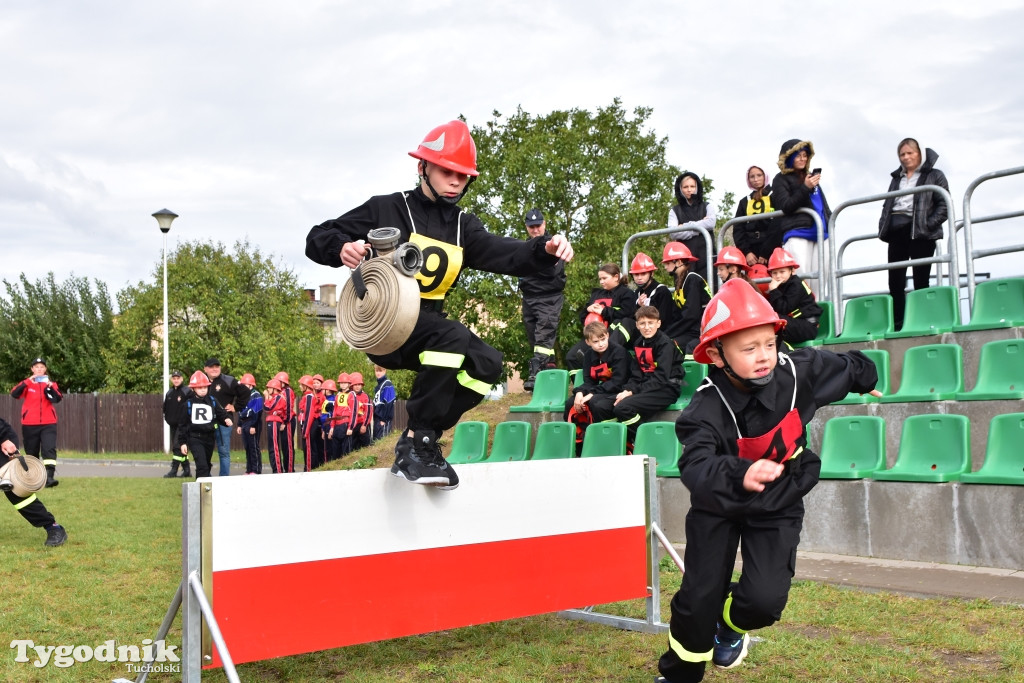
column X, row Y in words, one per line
column 436, row 458
column 730, row 647
column 403, row 447
column 55, row 535
column 423, row 464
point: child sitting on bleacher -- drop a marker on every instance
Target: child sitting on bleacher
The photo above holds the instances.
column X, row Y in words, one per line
column 605, row 371
column 655, row 375
column 792, row 299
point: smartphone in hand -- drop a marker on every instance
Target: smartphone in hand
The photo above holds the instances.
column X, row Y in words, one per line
column 41, row 379
column 816, row 171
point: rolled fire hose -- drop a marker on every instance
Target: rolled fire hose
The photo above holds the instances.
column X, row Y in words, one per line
column 20, row 481
column 380, row 304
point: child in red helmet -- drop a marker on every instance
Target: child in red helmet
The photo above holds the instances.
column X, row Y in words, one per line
column 329, row 388
column 612, row 304
column 197, row 432
column 276, row 412
column 691, row 295
column 650, row 292
column 792, row 299
column 250, row 426
column 747, row 466
column 455, row 368
column 362, row 417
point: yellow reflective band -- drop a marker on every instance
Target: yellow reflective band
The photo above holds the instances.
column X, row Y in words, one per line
column 622, row 330
column 179, row 458
column 686, row 655
column 725, row 615
column 635, row 418
column 442, row 359
column 28, row 501
column 48, row 463
column 482, row 388
column 796, row 453
column 541, row 349
column 795, row 314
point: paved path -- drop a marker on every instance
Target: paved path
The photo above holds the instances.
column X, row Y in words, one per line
column 925, row 579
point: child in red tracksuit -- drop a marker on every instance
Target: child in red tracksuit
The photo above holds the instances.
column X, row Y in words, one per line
column 362, row 418
column 746, row 464
column 307, row 417
column 276, row 411
column 342, row 417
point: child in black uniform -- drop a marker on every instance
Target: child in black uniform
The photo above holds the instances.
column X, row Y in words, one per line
column 792, row 299
column 655, row 375
column 746, row 464
column 605, row 371
column 455, row 369
column 197, row 431
column 650, row 292
column 31, row 508
column 691, row 295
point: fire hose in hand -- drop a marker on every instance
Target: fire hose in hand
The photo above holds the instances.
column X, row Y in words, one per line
column 379, row 305
column 22, row 475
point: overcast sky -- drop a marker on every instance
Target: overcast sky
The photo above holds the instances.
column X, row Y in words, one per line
column 256, row 120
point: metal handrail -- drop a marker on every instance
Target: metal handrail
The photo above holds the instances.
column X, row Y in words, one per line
column 809, row 275
column 839, row 272
column 969, row 232
column 708, row 240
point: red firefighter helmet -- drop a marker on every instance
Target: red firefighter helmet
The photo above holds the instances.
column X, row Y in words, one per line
column 318, row 377
column 759, row 271
column 248, row 380
column 781, row 258
column 594, row 318
column 274, row 384
column 198, row 379
column 736, row 307
column 731, row 256
column 355, row 378
column 449, row 146
column 676, row 251
column 642, row 263
column 329, row 385
column 282, row 377
column 306, row 381
column 344, row 377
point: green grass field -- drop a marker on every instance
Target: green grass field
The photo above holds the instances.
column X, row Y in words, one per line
column 116, row 575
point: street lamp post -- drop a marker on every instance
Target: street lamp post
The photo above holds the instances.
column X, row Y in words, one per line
column 164, row 218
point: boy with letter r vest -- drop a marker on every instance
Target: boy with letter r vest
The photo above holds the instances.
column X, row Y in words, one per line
column 197, row 431
column 747, row 466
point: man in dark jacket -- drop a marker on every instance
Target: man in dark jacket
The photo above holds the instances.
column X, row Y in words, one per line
column 174, row 414
column 912, row 224
column 224, row 389
column 542, row 304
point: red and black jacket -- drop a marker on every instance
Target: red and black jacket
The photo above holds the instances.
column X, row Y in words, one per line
column 38, row 399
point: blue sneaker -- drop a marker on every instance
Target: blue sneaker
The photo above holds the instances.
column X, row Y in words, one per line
column 730, row 647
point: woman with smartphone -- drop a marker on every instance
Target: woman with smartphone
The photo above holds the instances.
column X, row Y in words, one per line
column 798, row 187
column 38, row 418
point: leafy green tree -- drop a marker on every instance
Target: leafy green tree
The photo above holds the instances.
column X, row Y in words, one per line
column 598, row 177
column 66, row 323
column 236, row 305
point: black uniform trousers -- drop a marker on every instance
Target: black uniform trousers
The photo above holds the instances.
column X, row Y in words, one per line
column 601, row 409
column 707, row 597
column 314, row 445
column 31, row 509
column 798, row 330
column 540, row 318
column 202, row 447
column 633, row 410
column 44, row 436
column 455, row 370
column 903, row 248
column 253, row 455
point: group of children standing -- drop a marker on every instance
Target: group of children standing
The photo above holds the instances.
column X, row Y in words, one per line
column 330, row 418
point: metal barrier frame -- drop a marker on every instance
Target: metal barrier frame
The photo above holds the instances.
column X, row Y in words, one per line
column 838, row 272
column 812, row 275
column 708, row 241
column 968, row 225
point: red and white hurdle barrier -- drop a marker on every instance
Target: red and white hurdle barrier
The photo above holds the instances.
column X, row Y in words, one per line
column 305, row 562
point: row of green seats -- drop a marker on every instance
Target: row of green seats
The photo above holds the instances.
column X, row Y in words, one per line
column 933, row 310
column 933, row 448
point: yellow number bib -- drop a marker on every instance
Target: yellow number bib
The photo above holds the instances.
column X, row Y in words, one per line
column 762, row 205
column 442, row 263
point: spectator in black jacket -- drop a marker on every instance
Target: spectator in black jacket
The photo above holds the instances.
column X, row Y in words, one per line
column 384, row 397
column 756, row 239
column 912, row 224
column 223, row 388
column 798, row 187
column 690, row 212
column 174, row 415
column 543, row 296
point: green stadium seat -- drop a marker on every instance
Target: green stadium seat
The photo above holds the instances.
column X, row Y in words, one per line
column 658, row 440
column 469, row 444
column 826, row 327
column 933, row 448
column 932, row 310
column 931, row 372
column 853, row 447
column 997, row 304
column 1004, row 457
column 867, row 318
column 555, row 440
column 695, row 374
column 576, row 377
column 511, row 441
column 880, row 357
column 1000, row 372
column 604, row 438
column 550, row 390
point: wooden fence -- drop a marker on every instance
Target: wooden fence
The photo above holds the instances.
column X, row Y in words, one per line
column 117, row 423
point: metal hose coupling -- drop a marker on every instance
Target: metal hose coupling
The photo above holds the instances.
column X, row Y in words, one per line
column 379, row 305
column 23, row 475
